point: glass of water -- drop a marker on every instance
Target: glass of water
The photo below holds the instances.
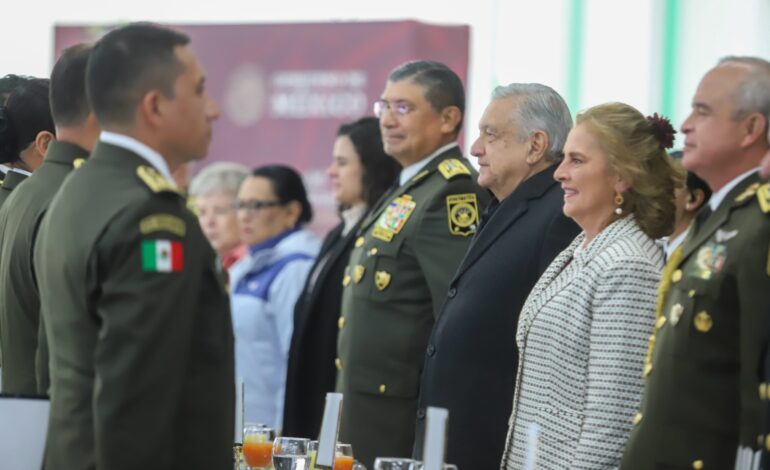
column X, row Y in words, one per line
column 291, row 453
column 393, row 463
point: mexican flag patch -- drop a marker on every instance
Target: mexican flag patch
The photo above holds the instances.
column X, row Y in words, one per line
column 162, row 256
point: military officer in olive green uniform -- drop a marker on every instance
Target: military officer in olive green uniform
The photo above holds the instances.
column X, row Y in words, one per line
column 700, row 408
column 408, row 249
column 77, row 131
column 134, row 305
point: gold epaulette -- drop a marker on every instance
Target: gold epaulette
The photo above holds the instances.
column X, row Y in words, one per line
column 763, row 196
column 452, row 167
column 154, row 180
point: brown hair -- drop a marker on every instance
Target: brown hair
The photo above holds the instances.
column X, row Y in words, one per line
column 636, row 154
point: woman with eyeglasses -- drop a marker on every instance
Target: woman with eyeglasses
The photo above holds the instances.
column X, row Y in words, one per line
column 360, row 173
column 271, row 208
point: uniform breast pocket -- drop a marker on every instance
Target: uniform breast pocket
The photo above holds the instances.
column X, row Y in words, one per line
column 381, row 272
column 710, row 330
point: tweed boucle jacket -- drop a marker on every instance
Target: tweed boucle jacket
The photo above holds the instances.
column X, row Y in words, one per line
column 582, row 336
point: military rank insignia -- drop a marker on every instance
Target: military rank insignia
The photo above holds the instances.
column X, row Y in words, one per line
column 763, row 195
column 463, row 214
column 154, row 180
column 162, row 256
column 452, row 167
column 162, row 223
column 394, row 218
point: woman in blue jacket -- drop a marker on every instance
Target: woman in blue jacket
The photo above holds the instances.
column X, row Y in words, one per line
column 272, row 208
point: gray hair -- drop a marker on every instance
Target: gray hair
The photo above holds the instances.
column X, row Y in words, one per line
column 539, row 108
column 752, row 95
column 219, row 177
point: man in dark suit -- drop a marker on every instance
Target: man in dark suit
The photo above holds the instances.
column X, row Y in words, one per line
column 471, row 358
column 403, row 259
column 76, row 132
column 134, row 306
column 700, row 407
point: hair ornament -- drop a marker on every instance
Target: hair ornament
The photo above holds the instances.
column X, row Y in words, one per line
column 662, row 130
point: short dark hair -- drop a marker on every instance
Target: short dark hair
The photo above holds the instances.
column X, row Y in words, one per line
column 26, row 113
column 127, row 63
column 287, row 186
column 69, row 101
column 8, row 83
column 693, row 181
column 441, row 85
column 380, row 169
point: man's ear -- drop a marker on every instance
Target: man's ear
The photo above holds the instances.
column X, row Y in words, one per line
column 695, row 199
column 150, row 108
column 450, row 117
column 538, row 146
column 42, row 141
column 754, row 126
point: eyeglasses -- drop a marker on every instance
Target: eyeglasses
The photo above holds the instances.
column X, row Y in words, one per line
column 401, row 108
column 254, row 205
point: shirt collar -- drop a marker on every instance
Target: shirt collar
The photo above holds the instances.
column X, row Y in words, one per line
column 409, row 171
column 673, row 244
column 129, row 143
column 717, row 197
column 19, row 170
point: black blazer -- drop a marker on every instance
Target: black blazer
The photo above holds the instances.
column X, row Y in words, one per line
column 311, row 372
column 471, row 358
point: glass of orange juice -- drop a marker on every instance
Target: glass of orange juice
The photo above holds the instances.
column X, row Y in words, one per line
column 343, row 457
column 258, row 446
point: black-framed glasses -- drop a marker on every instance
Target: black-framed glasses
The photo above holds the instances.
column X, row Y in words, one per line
column 399, row 107
column 254, row 205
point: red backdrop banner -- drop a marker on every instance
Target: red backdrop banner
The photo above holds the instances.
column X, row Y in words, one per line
column 284, row 89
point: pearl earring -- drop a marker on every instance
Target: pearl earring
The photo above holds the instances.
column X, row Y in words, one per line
column 619, row 202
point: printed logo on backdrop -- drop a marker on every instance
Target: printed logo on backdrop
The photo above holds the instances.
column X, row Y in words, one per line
column 294, row 94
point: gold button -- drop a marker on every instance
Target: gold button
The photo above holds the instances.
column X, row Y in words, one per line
column 763, row 391
column 691, row 293
column 345, row 280
column 647, row 369
column 382, row 388
column 703, row 322
column 358, row 273
column 676, row 313
column 676, row 276
column 359, row 242
column 373, row 251
column 637, row 418
column 338, row 363
column 341, row 323
column 697, row 465
column 660, row 322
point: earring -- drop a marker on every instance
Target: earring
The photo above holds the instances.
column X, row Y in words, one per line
column 619, row 202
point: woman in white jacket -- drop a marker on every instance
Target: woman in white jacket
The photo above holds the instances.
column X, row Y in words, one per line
column 584, row 329
column 272, row 207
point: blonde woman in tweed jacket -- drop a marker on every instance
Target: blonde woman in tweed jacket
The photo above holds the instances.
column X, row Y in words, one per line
column 583, row 332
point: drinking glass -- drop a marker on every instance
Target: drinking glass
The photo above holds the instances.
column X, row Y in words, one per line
column 258, row 446
column 420, row 466
column 291, row 453
column 392, row 463
column 343, row 457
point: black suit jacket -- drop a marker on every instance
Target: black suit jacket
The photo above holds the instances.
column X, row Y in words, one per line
column 311, row 372
column 471, row 358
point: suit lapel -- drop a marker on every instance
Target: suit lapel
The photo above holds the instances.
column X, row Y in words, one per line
column 510, row 210
column 696, row 238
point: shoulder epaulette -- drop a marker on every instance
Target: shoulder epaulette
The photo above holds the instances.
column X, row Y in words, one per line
column 154, row 180
column 763, row 196
column 452, row 167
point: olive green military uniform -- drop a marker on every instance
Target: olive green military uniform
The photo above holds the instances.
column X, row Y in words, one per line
column 138, row 324
column 408, row 249
column 19, row 298
column 12, row 179
column 700, row 406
